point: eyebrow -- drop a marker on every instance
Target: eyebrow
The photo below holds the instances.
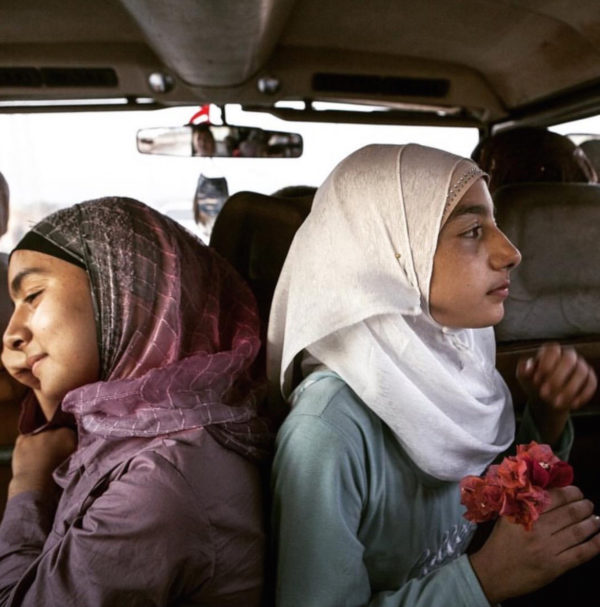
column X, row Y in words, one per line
column 15, row 283
column 472, row 209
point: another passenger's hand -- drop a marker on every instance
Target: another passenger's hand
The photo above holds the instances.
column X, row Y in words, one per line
column 514, row 561
column 36, row 456
column 557, row 381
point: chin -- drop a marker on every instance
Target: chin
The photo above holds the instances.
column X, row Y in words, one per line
column 496, row 318
column 477, row 319
column 483, row 321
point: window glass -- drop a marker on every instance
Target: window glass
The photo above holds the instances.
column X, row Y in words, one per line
column 52, row 160
column 585, row 125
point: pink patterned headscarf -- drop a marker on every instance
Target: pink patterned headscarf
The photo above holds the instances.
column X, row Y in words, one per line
column 177, row 329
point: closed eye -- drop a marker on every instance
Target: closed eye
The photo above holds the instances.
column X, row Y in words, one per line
column 31, row 297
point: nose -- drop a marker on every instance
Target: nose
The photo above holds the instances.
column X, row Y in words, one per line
column 505, row 255
column 17, row 333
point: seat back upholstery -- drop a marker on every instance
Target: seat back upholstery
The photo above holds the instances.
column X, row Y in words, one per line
column 555, row 291
column 254, row 233
column 591, row 149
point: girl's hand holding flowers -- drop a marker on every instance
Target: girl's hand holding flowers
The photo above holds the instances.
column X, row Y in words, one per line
column 516, row 488
column 557, row 527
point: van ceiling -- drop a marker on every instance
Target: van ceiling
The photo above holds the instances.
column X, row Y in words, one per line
column 498, row 56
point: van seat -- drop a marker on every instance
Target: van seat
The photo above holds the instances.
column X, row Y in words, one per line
column 555, row 291
column 254, row 233
column 591, row 148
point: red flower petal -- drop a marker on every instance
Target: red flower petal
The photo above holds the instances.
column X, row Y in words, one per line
column 561, row 475
column 481, row 499
column 538, row 474
column 512, row 473
column 516, row 488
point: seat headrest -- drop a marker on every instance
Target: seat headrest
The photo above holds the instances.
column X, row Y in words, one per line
column 591, row 149
column 254, row 233
column 555, row 291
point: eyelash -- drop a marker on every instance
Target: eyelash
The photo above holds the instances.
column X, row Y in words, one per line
column 31, row 297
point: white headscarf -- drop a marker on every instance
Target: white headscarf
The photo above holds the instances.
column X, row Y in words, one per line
column 353, row 294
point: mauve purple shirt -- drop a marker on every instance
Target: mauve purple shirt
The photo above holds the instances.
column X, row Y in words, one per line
column 174, row 520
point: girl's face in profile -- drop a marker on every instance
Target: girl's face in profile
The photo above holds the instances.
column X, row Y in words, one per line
column 50, row 343
column 472, row 264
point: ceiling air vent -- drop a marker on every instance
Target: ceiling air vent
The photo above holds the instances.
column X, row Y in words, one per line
column 380, row 85
column 84, row 77
column 58, row 77
column 20, row 77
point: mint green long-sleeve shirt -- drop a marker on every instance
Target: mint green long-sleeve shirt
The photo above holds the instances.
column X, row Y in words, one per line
column 355, row 522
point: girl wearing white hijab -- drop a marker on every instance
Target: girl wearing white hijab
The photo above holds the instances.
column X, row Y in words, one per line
column 380, row 338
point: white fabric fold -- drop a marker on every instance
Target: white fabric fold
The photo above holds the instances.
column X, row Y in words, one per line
column 353, row 294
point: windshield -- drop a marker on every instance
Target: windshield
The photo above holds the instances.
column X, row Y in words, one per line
column 53, row 160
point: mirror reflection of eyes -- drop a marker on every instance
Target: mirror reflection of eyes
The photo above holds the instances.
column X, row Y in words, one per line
column 220, row 141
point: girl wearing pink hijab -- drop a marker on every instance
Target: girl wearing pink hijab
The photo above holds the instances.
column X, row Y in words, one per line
column 135, row 477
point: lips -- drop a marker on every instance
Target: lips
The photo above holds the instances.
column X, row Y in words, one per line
column 500, row 290
column 32, row 362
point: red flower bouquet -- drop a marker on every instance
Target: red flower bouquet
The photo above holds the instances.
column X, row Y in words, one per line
column 515, row 488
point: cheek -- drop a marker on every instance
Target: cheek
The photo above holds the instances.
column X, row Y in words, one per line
column 81, row 339
column 86, row 338
column 91, row 354
column 68, row 331
column 459, row 268
column 454, row 285
column 445, row 275
column 43, row 324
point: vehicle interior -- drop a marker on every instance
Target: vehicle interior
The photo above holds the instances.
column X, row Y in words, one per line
column 482, row 65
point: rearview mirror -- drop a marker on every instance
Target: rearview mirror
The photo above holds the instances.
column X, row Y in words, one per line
column 219, row 141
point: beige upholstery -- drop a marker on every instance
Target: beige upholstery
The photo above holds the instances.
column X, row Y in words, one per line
column 591, row 148
column 254, row 232
column 555, row 292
